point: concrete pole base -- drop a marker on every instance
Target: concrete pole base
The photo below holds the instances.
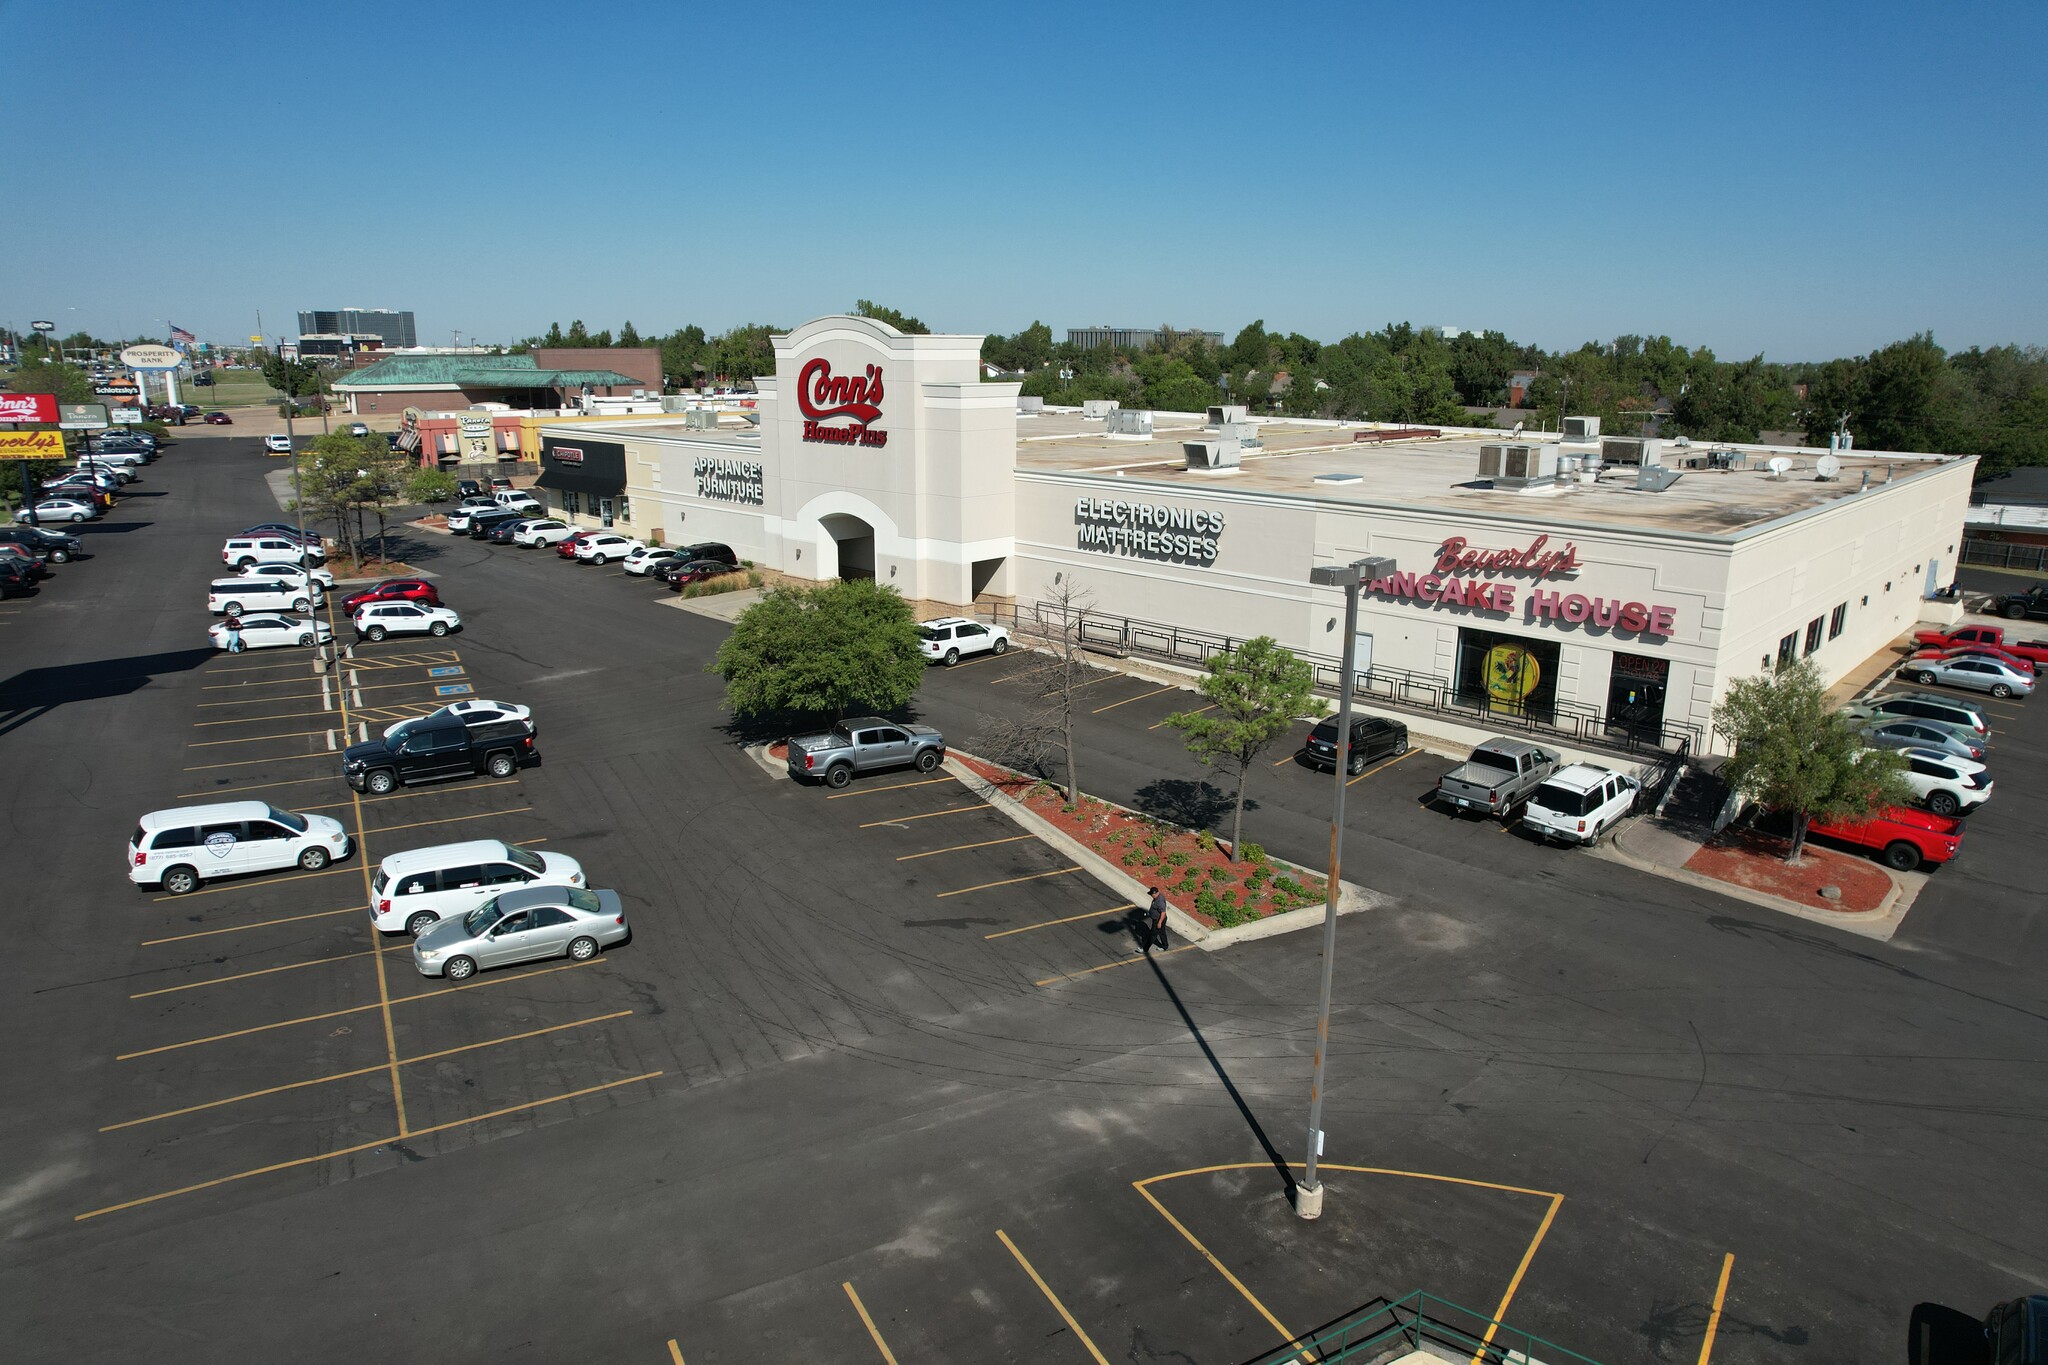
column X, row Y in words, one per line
column 1308, row 1203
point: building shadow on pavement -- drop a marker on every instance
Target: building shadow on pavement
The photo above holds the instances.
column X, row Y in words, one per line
column 36, row 692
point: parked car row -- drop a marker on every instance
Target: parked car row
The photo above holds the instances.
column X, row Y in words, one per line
column 43, row 530
column 498, row 520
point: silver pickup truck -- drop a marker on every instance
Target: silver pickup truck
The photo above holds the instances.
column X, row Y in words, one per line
column 1497, row 778
column 861, row 745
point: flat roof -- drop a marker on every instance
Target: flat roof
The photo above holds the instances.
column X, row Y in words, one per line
column 1442, row 473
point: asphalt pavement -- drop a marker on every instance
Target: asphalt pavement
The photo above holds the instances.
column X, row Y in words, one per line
column 875, row 1078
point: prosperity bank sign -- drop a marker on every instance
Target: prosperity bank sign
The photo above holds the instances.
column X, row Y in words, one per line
column 1455, row 583
column 840, row 409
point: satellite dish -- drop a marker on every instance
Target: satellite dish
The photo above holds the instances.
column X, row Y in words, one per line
column 1827, row 466
column 1778, row 466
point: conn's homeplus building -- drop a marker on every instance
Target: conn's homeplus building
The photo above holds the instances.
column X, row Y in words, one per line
column 1619, row 580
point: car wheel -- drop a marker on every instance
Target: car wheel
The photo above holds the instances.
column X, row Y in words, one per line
column 438, row 628
column 501, row 765
column 1901, row 855
column 600, row 559
column 459, row 969
column 839, row 776
column 421, row 922
column 78, row 516
column 1923, row 676
column 1943, row 803
column 1001, row 646
column 952, row 657
column 583, row 949
column 927, row 759
column 302, row 605
column 180, row 881
column 375, row 632
column 306, row 639
column 313, row 859
column 380, row 782
column 2015, row 612
column 60, row 556
column 2000, row 690
column 244, row 562
column 231, row 609
column 1355, row 766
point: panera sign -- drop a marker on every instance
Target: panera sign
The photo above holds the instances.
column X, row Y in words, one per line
column 827, row 400
column 1455, row 584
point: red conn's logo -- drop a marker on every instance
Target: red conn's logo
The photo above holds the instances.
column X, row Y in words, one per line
column 823, row 397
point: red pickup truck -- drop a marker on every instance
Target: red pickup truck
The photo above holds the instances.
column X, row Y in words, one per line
column 1904, row 838
column 1983, row 637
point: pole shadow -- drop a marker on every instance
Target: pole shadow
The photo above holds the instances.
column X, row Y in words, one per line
column 1251, row 1120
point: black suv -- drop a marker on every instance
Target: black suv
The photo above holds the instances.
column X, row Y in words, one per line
column 54, row 546
column 483, row 523
column 438, row 746
column 16, row 578
column 1372, row 737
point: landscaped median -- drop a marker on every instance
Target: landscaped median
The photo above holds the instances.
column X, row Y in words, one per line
column 1215, row 901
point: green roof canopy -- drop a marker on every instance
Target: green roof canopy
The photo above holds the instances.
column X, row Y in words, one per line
column 479, row 371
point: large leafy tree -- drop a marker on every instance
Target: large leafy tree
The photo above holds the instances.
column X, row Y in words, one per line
column 1255, row 693
column 825, row 649
column 902, row 322
column 1795, row 753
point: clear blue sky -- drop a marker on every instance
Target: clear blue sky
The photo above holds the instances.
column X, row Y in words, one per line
column 1805, row 180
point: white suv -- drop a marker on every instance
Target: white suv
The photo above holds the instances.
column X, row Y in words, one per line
column 319, row 580
column 1579, row 803
column 375, row 620
column 278, row 445
column 1946, row 784
column 178, row 849
column 420, row 887
column 605, row 547
column 234, row 596
column 242, row 551
column 546, row 531
column 949, row 637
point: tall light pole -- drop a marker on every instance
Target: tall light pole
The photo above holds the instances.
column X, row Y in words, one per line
column 1308, row 1196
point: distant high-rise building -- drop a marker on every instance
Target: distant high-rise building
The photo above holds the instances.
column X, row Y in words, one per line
column 1131, row 338
column 394, row 327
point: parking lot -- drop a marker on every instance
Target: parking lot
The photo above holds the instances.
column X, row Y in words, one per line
column 879, row 1077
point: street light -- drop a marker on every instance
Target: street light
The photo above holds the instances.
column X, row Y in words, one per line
column 1308, row 1196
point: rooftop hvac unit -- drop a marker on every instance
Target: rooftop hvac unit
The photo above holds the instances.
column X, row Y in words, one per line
column 1227, row 414
column 1244, row 433
column 1030, row 407
column 1655, row 478
column 1210, row 454
column 701, row 419
column 1491, row 459
column 1582, row 428
column 1130, row 422
column 1518, row 466
column 1099, row 407
column 1621, row 449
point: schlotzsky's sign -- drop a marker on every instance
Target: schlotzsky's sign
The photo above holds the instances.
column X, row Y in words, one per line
column 1452, row 586
column 826, row 399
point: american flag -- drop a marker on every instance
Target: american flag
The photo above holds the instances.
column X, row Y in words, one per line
column 181, row 338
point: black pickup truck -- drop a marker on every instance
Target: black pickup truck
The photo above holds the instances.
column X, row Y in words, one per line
column 2018, row 606
column 436, row 747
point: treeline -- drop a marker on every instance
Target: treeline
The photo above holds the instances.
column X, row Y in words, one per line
column 690, row 358
column 1910, row 395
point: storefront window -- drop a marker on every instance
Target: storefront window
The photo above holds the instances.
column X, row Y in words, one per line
column 1788, row 648
column 625, row 511
column 1635, row 695
column 1835, row 621
column 572, row 504
column 1813, row 635
column 1507, row 674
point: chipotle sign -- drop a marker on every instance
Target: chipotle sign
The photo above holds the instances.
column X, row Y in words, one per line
column 840, row 409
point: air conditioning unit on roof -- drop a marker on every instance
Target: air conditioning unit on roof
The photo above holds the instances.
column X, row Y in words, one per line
column 1099, row 407
column 1129, row 422
column 1211, row 455
column 1582, row 428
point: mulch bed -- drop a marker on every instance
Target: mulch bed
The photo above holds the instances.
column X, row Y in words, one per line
column 1757, row 861
column 1191, row 867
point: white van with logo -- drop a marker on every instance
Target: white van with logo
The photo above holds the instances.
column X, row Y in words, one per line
column 178, row 849
column 420, row 887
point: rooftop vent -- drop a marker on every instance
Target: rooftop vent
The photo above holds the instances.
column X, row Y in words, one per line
column 1339, row 478
column 1655, row 478
column 1131, row 422
column 1210, row 455
column 1227, row 414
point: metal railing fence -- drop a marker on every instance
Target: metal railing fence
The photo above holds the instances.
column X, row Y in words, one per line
column 1415, row 1323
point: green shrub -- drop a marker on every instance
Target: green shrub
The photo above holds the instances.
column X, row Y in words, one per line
column 1252, row 853
column 1189, row 880
column 1176, row 859
column 1205, row 841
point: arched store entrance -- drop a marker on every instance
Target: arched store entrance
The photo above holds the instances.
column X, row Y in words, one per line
column 855, row 540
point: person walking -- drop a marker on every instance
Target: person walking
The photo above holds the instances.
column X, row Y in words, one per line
column 235, row 645
column 1155, row 920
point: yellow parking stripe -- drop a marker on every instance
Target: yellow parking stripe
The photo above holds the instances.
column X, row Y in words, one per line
column 1170, row 687
column 892, row 787
column 1012, row 881
column 958, row 848
column 448, row 820
column 1047, row 924
column 928, row 815
column 1120, row 962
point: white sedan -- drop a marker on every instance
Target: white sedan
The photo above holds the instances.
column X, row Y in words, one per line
column 375, row 620
column 320, row 579
column 473, row 713
column 604, row 547
column 646, row 560
column 265, row 632
column 547, row 531
column 56, row 509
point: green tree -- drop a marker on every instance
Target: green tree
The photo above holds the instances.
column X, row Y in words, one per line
column 1797, row 754
column 824, row 649
column 902, row 322
column 429, row 485
column 579, row 335
column 1256, row 691
column 69, row 383
column 554, row 337
column 628, row 336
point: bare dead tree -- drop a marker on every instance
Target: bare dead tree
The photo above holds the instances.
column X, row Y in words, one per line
column 1050, row 679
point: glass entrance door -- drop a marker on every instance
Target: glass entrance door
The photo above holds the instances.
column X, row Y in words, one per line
column 604, row 511
column 1635, row 695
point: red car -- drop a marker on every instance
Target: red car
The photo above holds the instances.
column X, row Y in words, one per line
column 1904, row 838
column 1982, row 637
column 696, row 571
column 392, row 590
column 566, row 547
column 219, row 419
column 1996, row 653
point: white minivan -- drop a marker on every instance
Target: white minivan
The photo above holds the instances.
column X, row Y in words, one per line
column 234, row 596
column 416, row 889
column 178, row 849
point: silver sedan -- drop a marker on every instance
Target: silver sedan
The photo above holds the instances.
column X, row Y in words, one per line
column 1923, row 734
column 1980, row 674
column 520, row 925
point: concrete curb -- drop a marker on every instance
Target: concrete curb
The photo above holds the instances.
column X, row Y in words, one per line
column 759, row 753
column 1351, row 898
column 1880, row 924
